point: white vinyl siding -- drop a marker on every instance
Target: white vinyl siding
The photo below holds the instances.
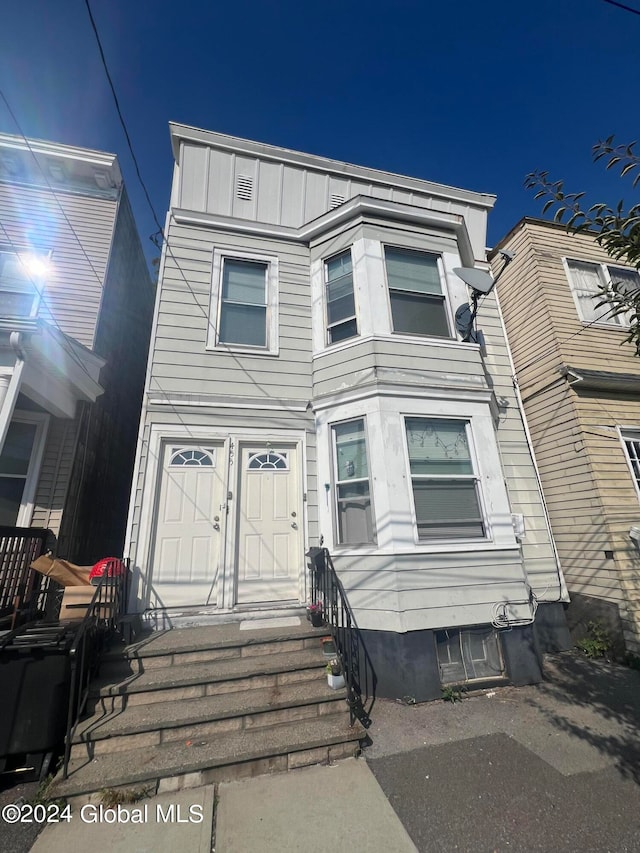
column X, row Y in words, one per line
column 415, row 292
column 341, row 306
column 587, row 282
column 353, row 499
column 445, row 491
column 243, row 312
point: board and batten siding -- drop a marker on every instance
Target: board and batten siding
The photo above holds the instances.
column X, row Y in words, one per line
column 181, row 361
column 77, row 230
column 290, row 189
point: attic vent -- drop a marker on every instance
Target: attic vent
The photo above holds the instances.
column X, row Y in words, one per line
column 336, row 200
column 244, row 187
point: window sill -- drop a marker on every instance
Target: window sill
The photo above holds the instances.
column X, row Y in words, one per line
column 243, row 350
column 397, row 336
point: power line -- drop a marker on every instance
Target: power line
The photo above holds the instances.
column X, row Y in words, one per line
column 623, row 6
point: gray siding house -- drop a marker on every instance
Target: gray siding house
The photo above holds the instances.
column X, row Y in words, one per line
column 306, row 384
column 76, row 304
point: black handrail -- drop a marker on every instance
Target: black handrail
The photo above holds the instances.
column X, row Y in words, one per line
column 94, row 632
column 359, row 675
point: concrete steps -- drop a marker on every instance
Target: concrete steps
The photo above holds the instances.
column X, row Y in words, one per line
column 200, row 705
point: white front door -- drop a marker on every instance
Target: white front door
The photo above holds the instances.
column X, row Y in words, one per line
column 269, row 543
column 189, row 526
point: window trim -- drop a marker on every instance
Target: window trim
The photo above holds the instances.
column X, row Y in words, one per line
column 475, row 477
column 27, row 502
column 444, row 293
column 336, row 483
column 621, row 321
column 325, row 285
column 32, row 281
column 220, row 255
column 630, row 434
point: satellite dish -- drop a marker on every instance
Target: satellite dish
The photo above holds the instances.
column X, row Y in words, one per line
column 478, row 280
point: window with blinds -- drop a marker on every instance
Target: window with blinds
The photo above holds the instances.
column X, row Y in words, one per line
column 415, row 292
column 341, row 306
column 243, row 309
column 444, row 484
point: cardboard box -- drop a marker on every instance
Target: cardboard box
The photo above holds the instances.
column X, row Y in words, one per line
column 62, row 571
column 75, row 601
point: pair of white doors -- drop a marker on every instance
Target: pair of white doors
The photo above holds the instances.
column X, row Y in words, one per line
column 227, row 534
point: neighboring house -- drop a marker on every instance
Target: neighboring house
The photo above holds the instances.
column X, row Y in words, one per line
column 76, row 303
column 580, row 384
column 306, row 384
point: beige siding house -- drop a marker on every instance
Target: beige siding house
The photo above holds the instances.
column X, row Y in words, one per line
column 76, row 305
column 580, row 385
column 307, row 384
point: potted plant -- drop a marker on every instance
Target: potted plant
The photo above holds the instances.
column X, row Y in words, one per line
column 314, row 615
column 335, row 678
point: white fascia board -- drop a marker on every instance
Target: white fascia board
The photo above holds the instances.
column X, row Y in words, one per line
column 100, row 159
column 342, row 215
column 232, row 144
column 53, row 351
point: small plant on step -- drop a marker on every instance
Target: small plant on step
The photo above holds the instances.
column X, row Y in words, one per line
column 451, row 694
column 597, row 643
column 333, row 667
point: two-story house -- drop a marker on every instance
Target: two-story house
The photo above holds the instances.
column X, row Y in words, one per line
column 76, row 304
column 580, row 384
column 307, row 383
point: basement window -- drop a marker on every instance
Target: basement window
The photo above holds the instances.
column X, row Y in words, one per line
column 469, row 654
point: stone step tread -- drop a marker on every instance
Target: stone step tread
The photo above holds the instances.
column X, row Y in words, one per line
column 208, row 672
column 137, row 766
column 186, row 640
column 172, row 714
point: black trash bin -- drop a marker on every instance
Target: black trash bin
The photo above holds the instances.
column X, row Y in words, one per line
column 35, row 676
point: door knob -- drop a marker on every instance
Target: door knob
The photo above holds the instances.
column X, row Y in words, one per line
column 294, row 525
column 216, row 526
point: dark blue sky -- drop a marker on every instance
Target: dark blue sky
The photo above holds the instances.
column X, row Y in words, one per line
column 473, row 94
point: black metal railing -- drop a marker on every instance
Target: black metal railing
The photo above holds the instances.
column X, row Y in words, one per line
column 20, row 586
column 359, row 675
column 94, row 632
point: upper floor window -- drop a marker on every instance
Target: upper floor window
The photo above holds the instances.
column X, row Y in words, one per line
column 443, row 480
column 341, row 305
column 587, row 281
column 20, row 283
column 244, row 299
column 631, row 442
column 415, row 292
column 353, row 499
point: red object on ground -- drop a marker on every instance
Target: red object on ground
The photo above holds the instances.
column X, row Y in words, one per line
column 112, row 566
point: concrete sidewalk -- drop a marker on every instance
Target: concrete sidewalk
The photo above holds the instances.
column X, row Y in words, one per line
column 315, row 809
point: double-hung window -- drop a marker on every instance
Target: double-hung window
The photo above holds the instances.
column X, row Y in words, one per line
column 353, row 500
column 587, row 283
column 444, row 484
column 341, row 306
column 418, row 304
column 244, row 302
column 20, row 284
column 631, row 441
